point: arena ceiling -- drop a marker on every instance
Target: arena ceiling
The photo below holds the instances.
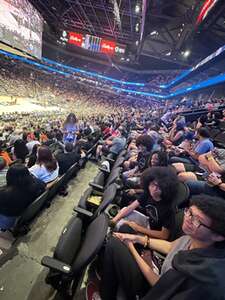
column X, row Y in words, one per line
column 179, row 32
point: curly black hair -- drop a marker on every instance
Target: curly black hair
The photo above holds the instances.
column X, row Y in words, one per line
column 166, row 179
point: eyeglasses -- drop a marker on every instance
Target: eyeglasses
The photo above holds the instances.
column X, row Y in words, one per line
column 194, row 220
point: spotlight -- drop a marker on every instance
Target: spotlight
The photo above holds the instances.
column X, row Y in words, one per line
column 186, row 53
column 154, row 32
column 137, row 27
column 137, row 8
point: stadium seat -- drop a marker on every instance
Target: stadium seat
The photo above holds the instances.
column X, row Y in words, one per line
column 107, row 198
column 182, row 196
column 220, row 140
column 176, row 231
column 22, row 224
column 113, row 177
column 76, row 248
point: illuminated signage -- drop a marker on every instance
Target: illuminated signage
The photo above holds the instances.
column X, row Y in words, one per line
column 93, row 43
column 75, row 38
column 107, row 47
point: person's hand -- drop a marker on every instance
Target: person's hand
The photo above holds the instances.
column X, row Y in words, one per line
column 123, row 237
column 213, row 179
column 131, row 192
column 133, row 225
column 112, row 223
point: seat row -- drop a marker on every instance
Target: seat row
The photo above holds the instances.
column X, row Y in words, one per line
column 85, row 234
column 23, row 223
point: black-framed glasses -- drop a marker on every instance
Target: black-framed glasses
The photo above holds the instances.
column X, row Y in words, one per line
column 195, row 220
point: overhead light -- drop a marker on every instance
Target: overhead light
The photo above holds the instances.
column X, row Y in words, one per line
column 168, row 53
column 154, row 32
column 137, row 8
column 137, row 27
column 186, row 53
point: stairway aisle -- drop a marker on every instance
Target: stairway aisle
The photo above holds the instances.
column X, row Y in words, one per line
column 22, row 277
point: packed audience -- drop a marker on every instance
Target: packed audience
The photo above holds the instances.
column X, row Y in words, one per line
column 162, row 153
column 164, row 149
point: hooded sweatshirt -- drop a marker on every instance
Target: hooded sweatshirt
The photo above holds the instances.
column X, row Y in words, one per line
column 197, row 274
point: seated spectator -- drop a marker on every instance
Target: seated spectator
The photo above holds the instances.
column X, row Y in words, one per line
column 144, row 145
column 20, row 150
column 46, row 167
column 156, row 203
column 21, row 190
column 194, row 264
column 214, row 184
column 203, row 145
column 67, row 159
column 3, row 172
column 158, row 159
column 57, row 146
column 211, row 162
column 5, row 155
column 113, row 144
column 33, row 156
column 31, row 141
column 166, row 118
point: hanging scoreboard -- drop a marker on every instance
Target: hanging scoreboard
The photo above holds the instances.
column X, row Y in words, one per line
column 93, row 43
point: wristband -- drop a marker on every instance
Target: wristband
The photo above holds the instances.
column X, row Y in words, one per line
column 146, row 241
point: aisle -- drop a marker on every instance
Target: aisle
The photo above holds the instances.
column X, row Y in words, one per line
column 21, row 278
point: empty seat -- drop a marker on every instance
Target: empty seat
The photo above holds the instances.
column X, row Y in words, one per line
column 76, row 248
column 107, row 198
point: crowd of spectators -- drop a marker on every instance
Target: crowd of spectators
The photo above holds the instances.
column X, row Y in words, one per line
column 163, row 150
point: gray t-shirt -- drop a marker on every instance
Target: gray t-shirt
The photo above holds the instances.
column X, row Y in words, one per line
column 182, row 243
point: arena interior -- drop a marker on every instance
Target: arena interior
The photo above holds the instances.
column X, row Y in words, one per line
column 112, row 149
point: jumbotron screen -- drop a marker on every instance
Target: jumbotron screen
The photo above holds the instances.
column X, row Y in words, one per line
column 21, row 26
column 93, row 43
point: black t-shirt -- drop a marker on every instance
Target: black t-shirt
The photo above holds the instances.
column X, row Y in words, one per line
column 158, row 213
column 66, row 160
column 142, row 160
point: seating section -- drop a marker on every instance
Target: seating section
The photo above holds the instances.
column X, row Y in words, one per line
column 103, row 199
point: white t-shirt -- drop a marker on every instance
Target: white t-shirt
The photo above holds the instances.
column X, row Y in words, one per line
column 31, row 144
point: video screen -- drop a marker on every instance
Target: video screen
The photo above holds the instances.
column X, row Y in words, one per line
column 21, row 26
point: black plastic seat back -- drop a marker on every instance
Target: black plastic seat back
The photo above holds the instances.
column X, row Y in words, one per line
column 114, row 175
column 99, row 178
column 92, row 243
column 32, row 210
column 220, row 138
column 69, row 241
column 71, row 173
column 176, row 231
column 83, row 200
column 181, row 198
column 118, row 162
column 52, row 192
column 107, row 198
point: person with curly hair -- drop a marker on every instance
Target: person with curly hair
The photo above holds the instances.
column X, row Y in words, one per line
column 156, row 204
